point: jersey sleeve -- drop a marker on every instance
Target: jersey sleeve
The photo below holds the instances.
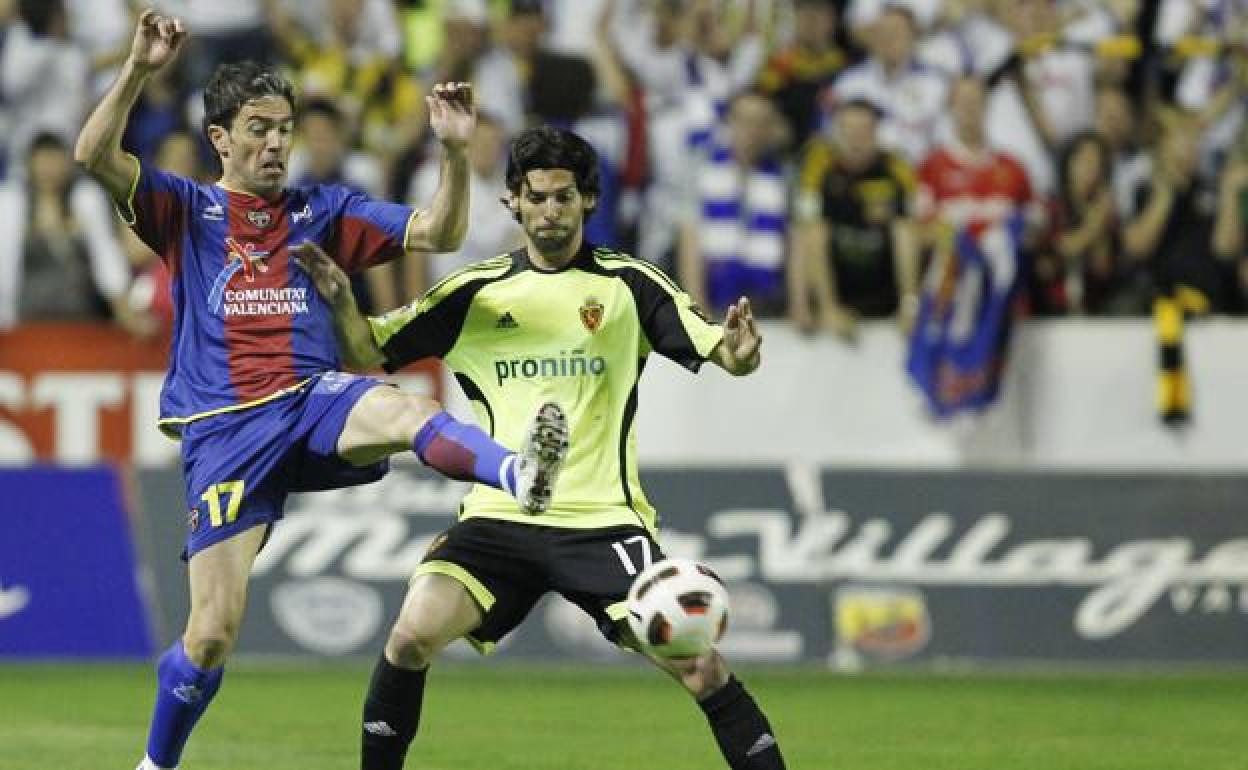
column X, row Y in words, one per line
column 156, row 207
column 430, row 326
column 674, row 325
column 366, row 232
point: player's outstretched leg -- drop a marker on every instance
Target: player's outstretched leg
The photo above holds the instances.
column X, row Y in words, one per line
column 741, row 729
column 189, row 674
column 437, row 610
column 385, row 421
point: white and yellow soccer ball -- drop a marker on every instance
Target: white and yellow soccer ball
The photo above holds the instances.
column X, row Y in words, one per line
column 678, row 608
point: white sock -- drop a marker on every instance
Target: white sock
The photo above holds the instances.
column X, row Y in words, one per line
column 504, row 474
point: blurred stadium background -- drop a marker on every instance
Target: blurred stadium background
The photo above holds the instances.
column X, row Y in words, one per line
column 982, row 507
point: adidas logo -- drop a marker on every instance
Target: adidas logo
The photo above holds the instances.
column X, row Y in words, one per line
column 505, row 321
column 764, row 742
column 380, row 728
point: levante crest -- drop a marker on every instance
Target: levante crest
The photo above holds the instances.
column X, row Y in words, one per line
column 591, row 314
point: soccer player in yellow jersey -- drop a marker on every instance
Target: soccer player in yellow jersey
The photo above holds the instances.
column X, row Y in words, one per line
column 556, row 321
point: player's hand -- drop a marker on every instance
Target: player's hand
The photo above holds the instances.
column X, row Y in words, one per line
column 452, row 114
column 329, row 279
column 156, row 41
column 741, row 337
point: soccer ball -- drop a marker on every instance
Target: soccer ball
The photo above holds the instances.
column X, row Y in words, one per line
column 678, row 608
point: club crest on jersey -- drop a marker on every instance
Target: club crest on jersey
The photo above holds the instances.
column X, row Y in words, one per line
column 591, row 314
column 261, row 219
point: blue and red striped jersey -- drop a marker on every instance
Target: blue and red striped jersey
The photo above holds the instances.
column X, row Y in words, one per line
column 248, row 322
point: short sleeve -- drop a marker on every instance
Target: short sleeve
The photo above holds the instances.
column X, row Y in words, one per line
column 674, row 325
column 156, row 207
column 366, row 232
column 430, row 326
column 410, row 333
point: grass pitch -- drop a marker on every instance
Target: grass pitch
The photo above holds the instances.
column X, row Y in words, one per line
column 507, row 717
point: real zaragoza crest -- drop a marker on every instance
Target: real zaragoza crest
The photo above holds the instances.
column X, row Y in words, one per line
column 591, row 314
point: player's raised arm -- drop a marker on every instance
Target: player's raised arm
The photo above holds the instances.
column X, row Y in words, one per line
column 156, row 42
column 740, row 351
column 441, row 226
column 355, row 337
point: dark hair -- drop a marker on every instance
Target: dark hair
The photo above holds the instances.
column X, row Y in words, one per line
column 326, row 108
column 546, row 147
column 859, row 103
column 1067, row 154
column 41, row 15
column 561, row 87
column 47, row 140
column 233, row 85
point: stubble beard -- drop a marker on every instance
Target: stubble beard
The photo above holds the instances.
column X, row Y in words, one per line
column 553, row 245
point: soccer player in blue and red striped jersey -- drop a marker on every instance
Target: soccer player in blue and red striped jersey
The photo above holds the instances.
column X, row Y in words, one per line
column 253, row 389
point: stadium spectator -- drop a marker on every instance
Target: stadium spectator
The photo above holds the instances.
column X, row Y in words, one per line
column 499, row 72
column 909, row 95
column 59, row 258
column 324, row 156
column 339, row 60
column 375, row 24
column 1092, row 275
column 150, row 296
column 253, row 389
column 967, row 184
column 853, row 238
column 795, row 74
column 44, row 79
column 235, row 31
column 1122, row 125
column 160, row 111
column 690, row 62
column 1173, row 223
column 1229, row 243
column 484, row 575
column 732, row 242
column 101, row 28
column 564, row 93
column 862, row 15
column 489, row 234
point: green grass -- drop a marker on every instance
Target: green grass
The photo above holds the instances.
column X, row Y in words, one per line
column 505, row 717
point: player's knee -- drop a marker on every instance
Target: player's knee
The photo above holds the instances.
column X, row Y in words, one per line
column 413, row 646
column 209, row 639
column 208, row 650
column 411, row 414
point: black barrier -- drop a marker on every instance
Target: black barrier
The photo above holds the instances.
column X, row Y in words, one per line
column 843, row 567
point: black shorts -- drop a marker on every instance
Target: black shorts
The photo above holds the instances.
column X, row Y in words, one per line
column 507, row 566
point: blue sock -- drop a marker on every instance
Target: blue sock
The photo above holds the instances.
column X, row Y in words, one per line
column 183, row 693
column 463, row 452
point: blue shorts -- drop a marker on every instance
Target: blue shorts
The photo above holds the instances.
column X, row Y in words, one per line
column 240, row 466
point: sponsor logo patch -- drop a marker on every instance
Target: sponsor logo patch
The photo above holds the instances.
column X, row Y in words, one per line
column 886, row 623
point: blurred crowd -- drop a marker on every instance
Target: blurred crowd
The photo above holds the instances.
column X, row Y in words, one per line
column 816, row 155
